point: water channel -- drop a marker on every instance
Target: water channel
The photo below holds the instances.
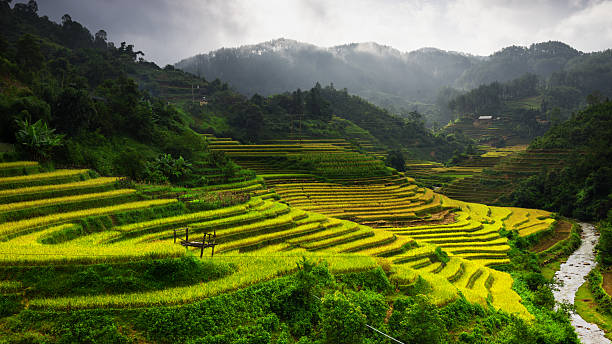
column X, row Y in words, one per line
column 573, row 274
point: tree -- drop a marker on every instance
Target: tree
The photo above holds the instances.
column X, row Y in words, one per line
column 4, row 46
column 29, row 56
column 342, row 321
column 605, row 241
column 37, row 139
column 101, row 35
column 73, row 111
column 316, row 105
column 100, row 39
column 248, row 118
column 396, row 160
column 298, row 102
column 415, row 116
column 66, row 19
column 75, row 35
column 166, row 169
column 32, row 6
column 417, row 320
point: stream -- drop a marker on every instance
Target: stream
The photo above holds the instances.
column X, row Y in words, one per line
column 573, row 274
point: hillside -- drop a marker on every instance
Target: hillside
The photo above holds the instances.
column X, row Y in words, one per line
column 315, row 113
column 495, row 183
column 582, row 187
column 67, row 99
column 389, row 78
column 405, row 81
column 141, row 204
column 541, row 59
column 141, row 111
column 123, row 243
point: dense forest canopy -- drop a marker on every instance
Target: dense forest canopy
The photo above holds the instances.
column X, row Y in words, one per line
column 78, row 84
column 583, row 187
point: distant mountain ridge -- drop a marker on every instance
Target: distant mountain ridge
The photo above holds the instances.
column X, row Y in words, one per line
column 379, row 73
column 283, row 64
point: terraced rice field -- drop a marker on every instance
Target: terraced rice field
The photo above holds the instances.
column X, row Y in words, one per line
column 434, row 174
column 333, row 158
column 489, row 130
column 500, row 179
column 466, row 230
column 354, row 226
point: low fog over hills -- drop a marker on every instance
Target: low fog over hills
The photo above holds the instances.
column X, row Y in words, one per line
column 399, row 81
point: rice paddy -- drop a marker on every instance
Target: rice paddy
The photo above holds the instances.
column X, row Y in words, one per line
column 354, row 224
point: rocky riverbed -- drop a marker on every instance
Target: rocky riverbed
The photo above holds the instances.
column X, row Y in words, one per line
column 573, row 274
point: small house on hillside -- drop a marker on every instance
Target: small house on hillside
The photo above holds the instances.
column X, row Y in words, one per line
column 485, row 118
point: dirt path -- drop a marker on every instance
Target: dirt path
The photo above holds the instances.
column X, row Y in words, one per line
column 572, row 274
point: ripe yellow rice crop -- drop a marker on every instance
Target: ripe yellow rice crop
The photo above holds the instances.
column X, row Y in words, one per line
column 34, row 238
column 537, row 227
column 504, row 297
column 197, row 216
column 395, row 246
column 59, row 187
column 17, row 164
column 379, row 238
column 77, row 253
column 62, row 200
column 361, row 233
column 262, row 225
column 41, row 176
column 491, row 261
column 469, row 269
column 17, row 226
column 495, row 241
column 424, row 250
column 266, row 210
column 9, row 286
column 451, row 268
column 528, row 221
column 265, row 238
column 281, row 230
column 334, row 227
column 251, row 269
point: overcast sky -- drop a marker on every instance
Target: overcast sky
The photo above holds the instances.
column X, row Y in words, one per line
column 169, row 30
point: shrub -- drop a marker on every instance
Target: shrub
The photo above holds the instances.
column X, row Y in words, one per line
column 342, row 320
column 37, row 139
column 417, row 320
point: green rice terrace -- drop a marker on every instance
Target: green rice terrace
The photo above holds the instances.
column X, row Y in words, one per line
column 431, row 173
column 499, row 180
column 489, row 177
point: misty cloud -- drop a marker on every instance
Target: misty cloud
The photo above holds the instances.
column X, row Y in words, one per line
column 168, row 30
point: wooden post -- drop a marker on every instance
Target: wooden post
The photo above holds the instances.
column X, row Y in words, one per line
column 175, row 236
column 214, row 242
column 202, row 247
column 187, row 234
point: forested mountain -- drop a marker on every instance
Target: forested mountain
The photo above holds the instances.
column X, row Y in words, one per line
column 541, row 59
column 424, row 80
column 379, row 73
